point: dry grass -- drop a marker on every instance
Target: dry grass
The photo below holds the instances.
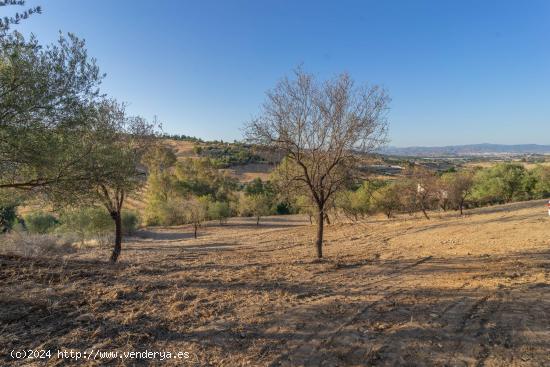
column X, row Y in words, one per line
column 36, row 245
column 452, row 291
column 249, row 172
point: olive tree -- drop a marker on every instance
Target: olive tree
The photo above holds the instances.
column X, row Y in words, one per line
column 7, row 21
column 45, row 98
column 323, row 128
column 115, row 164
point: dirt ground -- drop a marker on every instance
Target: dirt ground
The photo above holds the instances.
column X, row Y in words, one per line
column 450, row 291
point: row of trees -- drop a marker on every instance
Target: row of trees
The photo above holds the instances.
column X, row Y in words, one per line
column 421, row 189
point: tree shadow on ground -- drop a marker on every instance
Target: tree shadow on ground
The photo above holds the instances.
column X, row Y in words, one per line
column 382, row 321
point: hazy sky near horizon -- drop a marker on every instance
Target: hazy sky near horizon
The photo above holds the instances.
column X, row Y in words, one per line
column 458, row 72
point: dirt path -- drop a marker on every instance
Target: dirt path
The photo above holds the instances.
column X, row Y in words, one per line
column 470, row 291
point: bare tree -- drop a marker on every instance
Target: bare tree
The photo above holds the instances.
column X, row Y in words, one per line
column 322, row 128
column 195, row 212
column 427, row 189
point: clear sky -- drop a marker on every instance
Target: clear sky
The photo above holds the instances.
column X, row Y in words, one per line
column 458, row 72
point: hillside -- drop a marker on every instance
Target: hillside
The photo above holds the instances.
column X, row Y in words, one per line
column 244, row 172
column 460, row 291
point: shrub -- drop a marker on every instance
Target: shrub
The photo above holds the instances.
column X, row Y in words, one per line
column 356, row 203
column 8, row 217
column 95, row 223
column 40, row 223
column 387, row 199
column 502, row 183
column 165, row 213
column 130, row 222
column 88, row 223
column 282, row 208
column 541, row 176
column 219, row 210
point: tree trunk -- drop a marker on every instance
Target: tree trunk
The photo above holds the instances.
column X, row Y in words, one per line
column 195, row 230
column 118, row 236
column 461, row 206
column 424, row 212
column 319, row 242
column 257, row 221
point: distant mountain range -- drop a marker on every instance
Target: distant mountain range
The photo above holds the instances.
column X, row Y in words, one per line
column 468, row 150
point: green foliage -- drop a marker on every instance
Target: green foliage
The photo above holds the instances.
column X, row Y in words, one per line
column 40, row 223
column 219, row 210
column 45, row 98
column 283, row 208
column 94, row 222
column 200, row 177
column 502, row 183
column 195, row 211
column 7, row 21
column 159, row 159
column 388, row 199
column 541, row 177
column 130, row 222
column 160, row 187
column 358, row 203
column 257, row 186
column 256, row 205
column 87, row 223
column 304, row 205
column 8, row 216
column 190, row 178
column 225, row 155
column 457, row 188
column 181, row 137
column 197, row 149
column 166, row 213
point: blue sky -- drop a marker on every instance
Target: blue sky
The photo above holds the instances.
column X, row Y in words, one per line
column 458, row 72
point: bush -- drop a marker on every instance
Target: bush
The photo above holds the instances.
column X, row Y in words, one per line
column 219, row 210
column 541, row 176
column 95, row 223
column 501, row 183
column 165, row 213
column 357, row 203
column 388, row 199
column 8, row 217
column 40, row 223
column 130, row 222
column 88, row 223
column 282, row 208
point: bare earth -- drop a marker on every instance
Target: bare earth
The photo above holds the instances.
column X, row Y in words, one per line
column 471, row 291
